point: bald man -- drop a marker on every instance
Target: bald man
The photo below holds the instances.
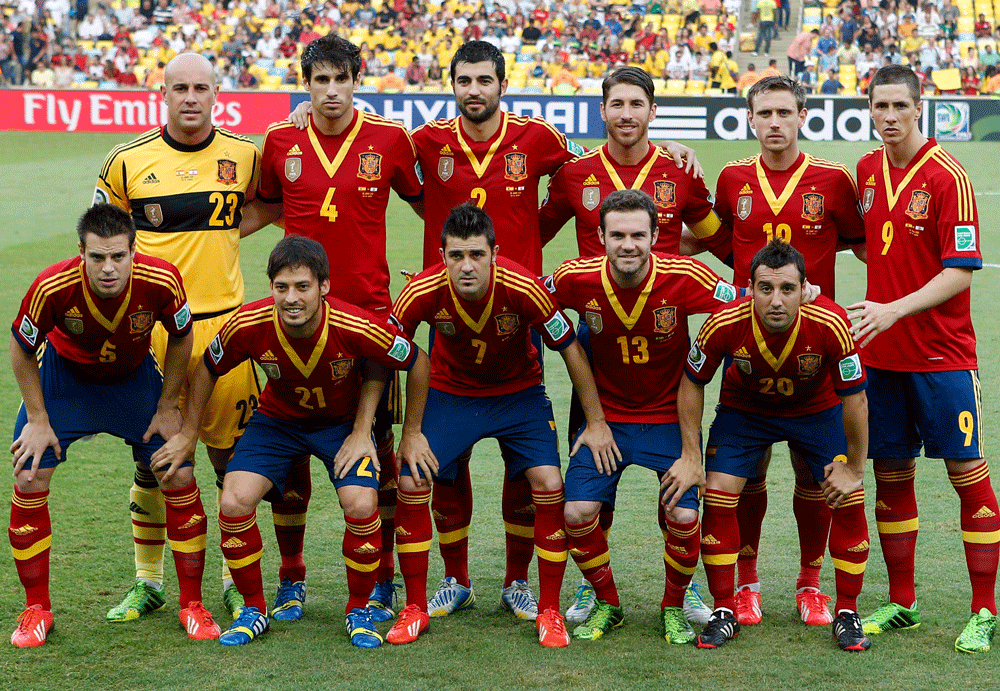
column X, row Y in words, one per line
column 187, row 185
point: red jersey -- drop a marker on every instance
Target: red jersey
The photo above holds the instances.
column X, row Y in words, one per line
column 919, row 220
column 105, row 338
column 799, row 372
column 484, row 348
column 316, row 377
column 639, row 336
column 335, row 189
column 501, row 175
column 811, row 205
column 579, row 187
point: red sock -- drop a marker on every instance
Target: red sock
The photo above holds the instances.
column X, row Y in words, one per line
column 750, row 517
column 413, row 542
column 30, row 534
column 980, row 530
column 242, row 548
column 720, row 545
column 388, row 476
column 607, row 519
column 897, row 520
column 680, row 557
column 589, row 549
column 452, row 511
column 812, row 517
column 519, row 525
column 187, row 532
column 849, row 549
column 550, row 542
column 361, row 549
column 289, row 517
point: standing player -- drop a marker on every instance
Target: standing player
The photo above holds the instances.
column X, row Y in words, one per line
column 811, row 204
column 791, row 362
column 333, row 180
column 636, row 303
column 94, row 313
column 485, row 372
column 918, row 342
column 185, row 185
column 325, row 361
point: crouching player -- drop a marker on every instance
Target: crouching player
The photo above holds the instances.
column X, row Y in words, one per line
column 486, row 382
column 326, row 367
column 790, row 362
column 95, row 313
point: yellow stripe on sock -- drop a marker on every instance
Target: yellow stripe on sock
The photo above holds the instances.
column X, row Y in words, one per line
column 720, row 559
column 32, row 551
column 289, row 519
column 551, row 556
column 686, row 570
column 195, row 544
column 849, row 566
column 453, row 536
column 151, row 533
column 599, row 560
column 411, row 547
column 896, row 527
column 989, row 538
column 526, row 531
column 363, row 568
column 245, row 561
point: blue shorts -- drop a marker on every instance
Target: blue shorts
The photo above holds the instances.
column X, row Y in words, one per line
column 268, row 447
column 653, row 446
column 79, row 407
column 522, row 422
column 737, row 440
column 940, row 411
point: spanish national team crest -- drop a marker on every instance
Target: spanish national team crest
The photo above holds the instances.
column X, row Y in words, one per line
column 507, row 323
column 743, row 365
column 140, row 322
column 812, row 207
column 447, row 328
column 809, row 364
column 446, row 167
column 917, row 208
column 370, row 166
column 664, row 193
column 74, row 326
column 516, row 166
column 594, row 322
column 591, row 198
column 743, row 207
column 293, row 169
column 340, row 368
column 227, row 172
column 271, row 369
column 665, row 319
column 869, row 197
column 154, row 214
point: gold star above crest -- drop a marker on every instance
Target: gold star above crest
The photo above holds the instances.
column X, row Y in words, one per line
column 813, row 188
column 663, row 301
column 370, row 147
column 808, row 348
column 340, row 355
column 924, row 185
column 514, row 147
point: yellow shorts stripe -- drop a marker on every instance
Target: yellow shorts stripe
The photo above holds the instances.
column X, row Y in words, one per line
column 686, row 570
column 412, row 547
column 895, row 527
column 850, row 566
column 363, row 568
column 526, row 531
column 981, row 538
column 195, row 544
column 453, row 536
column 551, row 556
column 32, row 551
column 719, row 559
column 245, row 561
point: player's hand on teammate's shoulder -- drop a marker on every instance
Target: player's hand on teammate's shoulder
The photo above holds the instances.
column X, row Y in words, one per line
column 870, row 319
column 356, row 446
column 684, row 157
column 415, row 451
column 35, row 437
column 300, row 115
column 685, row 473
column 178, row 449
column 598, row 438
column 841, row 481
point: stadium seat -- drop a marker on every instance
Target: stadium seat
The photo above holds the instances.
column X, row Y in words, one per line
column 695, row 86
column 713, row 92
column 659, row 84
column 675, row 86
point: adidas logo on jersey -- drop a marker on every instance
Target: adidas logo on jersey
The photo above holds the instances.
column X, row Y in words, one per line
column 294, row 151
column 402, row 532
column 233, row 543
column 709, row 540
column 366, row 548
column 860, row 547
column 742, row 353
column 135, row 508
column 268, row 356
column 984, row 512
column 870, row 180
column 151, row 179
column 74, row 313
column 27, row 529
column 746, row 189
column 442, row 315
column 591, row 180
column 882, row 505
column 747, row 550
column 446, row 151
column 194, row 520
column 592, row 305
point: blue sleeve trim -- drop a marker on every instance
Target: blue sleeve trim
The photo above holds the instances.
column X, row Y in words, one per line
column 857, row 388
column 973, row 263
column 411, row 200
column 559, row 347
column 695, row 379
column 26, row 348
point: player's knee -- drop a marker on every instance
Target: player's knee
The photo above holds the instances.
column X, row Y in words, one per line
column 681, row 514
column 359, row 504
column 577, row 512
column 233, row 503
column 545, row 478
column 183, row 477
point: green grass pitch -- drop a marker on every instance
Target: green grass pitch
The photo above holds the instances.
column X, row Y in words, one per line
column 45, row 183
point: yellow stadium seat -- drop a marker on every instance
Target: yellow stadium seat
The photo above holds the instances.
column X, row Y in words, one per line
column 659, row 85
column 695, row 86
column 848, row 72
column 675, row 86
column 713, row 92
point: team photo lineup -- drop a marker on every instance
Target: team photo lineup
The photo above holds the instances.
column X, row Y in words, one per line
column 151, row 309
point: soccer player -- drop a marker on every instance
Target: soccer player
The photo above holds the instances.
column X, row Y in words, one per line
column 917, row 340
column 485, row 372
column 186, row 185
column 92, row 317
column 332, row 180
column 627, row 161
column 811, row 204
column 791, row 363
column 636, row 303
column 326, row 362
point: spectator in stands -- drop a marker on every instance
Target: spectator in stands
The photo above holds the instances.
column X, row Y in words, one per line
column 950, row 13
column 748, row 79
column 887, row 19
column 949, row 51
column 807, row 77
column 390, row 82
column 865, row 80
column 435, row 76
column 866, row 61
column 565, row 78
column 890, row 52
column 826, row 40
column 765, row 26
column 386, row 17
column 983, row 28
column 868, row 37
column 10, row 68
column 63, row 75
column 832, row 85
column 539, row 70
column 784, row 15
column 929, row 22
column 928, row 54
column 702, row 39
column 268, row 43
column 232, row 49
column 291, row 76
column 288, row 47
column 154, row 79
column 416, row 75
column 725, row 74
column 971, row 59
column 163, row 15
column 531, row 33
column 90, row 28
column 246, row 78
column 848, row 26
column 799, row 50
column 991, row 84
column 848, row 54
column 988, row 57
column 43, row 76
column 678, row 67
column 612, row 22
column 828, row 61
column 971, row 82
column 700, row 69
column 771, row 70
column 725, row 37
